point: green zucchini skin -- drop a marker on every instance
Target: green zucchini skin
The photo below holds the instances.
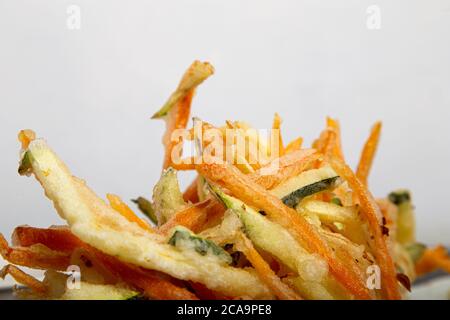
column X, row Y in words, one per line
column 400, row 197
column 292, row 199
column 146, row 207
column 200, row 245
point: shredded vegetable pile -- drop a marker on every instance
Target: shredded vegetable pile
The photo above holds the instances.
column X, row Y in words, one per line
column 266, row 221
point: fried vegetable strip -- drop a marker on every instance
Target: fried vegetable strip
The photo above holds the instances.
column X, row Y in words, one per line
column 23, row 278
column 190, row 194
column 432, row 259
column 371, row 213
column 266, row 274
column 121, row 207
column 193, row 218
column 253, row 194
column 368, row 154
column 55, row 238
column 153, row 284
column 285, row 167
column 146, row 207
column 36, row 256
column 334, row 125
column 176, row 110
column 294, row 145
column 25, row 137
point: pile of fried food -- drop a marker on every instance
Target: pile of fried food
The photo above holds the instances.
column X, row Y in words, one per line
column 310, row 229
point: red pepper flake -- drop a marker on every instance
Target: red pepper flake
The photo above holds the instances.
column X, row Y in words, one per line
column 404, row 280
column 385, row 231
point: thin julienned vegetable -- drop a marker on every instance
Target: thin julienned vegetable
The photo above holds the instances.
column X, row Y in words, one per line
column 261, row 220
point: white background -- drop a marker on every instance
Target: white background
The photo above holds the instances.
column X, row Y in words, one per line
column 90, row 92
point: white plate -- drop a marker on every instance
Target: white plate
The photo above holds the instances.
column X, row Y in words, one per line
column 437, row 289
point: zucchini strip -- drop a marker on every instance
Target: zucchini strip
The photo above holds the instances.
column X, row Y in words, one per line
column 368, row 154
column 253, row 194
column 277, row 241
column 371, row 212
column 96, row 223
column 306, row 184
column 280, row 289
column 146, row 207
column 61, row 239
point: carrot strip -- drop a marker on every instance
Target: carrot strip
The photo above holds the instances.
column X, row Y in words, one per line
column 433, row 259
column 154, row 284
column 191, row 194
column 176, row 119
column 368, row 153
column 184, row 165
column 294, row 145
column 255, row 195
column 192, row 217
column 25, row 137
column 204, row 293
column 330, row 144
column 177, row 109
column 371, row 213
column 55, row 238
column 265, row 273
column 23, row 278
column 121, row 207
column 285, row 167
column 36, row 256
column 334, row 125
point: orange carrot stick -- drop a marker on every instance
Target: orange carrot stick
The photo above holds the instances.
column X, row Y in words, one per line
column 265, row 273
column 36, row 256
column 191, row 194
column 154, row 284
column 25, row 137
column 192, row 217
column 24, row 279
column 55, row 238
column 177, row 108
column 368, row 154
column 121, row 207
column 371, row 213
column 433, row 259
column 336, row 127
column 255, row 195
column 285, row 167
column 176, row 119
column 294, row 145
